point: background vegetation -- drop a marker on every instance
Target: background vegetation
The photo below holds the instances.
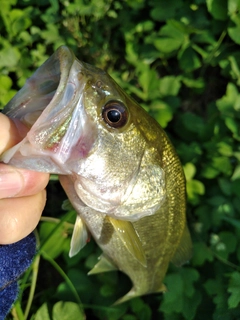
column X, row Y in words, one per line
column 181, row 60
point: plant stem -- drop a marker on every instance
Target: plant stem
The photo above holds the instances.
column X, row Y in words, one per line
column 66, row 278
column 35, row 268
column 17, row 311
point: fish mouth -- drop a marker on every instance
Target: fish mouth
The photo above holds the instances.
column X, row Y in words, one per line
column 37, row 93
column 51, row 105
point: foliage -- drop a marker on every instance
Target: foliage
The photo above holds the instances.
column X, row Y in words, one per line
column 180, row 59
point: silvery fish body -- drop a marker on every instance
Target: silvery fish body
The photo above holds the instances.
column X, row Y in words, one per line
column 114, row 161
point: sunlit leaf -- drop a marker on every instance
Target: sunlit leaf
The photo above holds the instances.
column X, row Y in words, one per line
column 170, row 38
column 43, row 313
column 67, row 310
column 218, row 8
column 169, row 86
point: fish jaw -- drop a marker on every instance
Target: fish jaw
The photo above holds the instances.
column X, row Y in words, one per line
column 51, row 105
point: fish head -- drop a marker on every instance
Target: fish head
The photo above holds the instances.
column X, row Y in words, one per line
column 83, row 125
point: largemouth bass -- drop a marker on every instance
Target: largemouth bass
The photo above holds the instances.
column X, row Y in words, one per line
column 116, row 164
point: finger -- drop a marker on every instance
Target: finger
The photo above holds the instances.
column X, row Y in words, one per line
column 19, row 216
column 12, row 132
column 16, row 182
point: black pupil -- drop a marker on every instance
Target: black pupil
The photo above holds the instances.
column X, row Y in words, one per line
column 114, row 115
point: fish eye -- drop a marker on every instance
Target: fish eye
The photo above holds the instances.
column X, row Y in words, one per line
column 115, row 114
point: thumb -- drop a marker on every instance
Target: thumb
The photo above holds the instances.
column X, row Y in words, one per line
column 16, row 182
column 22, row 195
column 12, row 132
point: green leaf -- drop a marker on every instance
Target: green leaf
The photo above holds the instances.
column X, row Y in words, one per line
column 148, row 80
column 224, row 148
column 129, row 317
column 198, row 83
column 162, row 112
column 9, row 57
column 201, row 254
column 216, row 288
column 43, row 313
column 67, row 310
column 170, row 38
column 5, row 82
column 226, row 186
column 222, row 164
column 233, row 31
column 227, row 102
column 169, row 86
column 51, row 35
column 163, row 10
column 195, row 188
column 234, row 64
column 189, row 170
column 235, row 185
column 234, row 289
column 5, row 90
column 141, row 309
column 234, row 222
column 236, row 173
column 181, row 296
column 189, row 60
column 217, row 8
column 193, row 123
column 233, row 6
column 224, row 244
column 230, row 241
column 19, row 21
column 233, row 126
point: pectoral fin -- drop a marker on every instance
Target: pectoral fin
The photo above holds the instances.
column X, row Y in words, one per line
column 184, row 250
column 130, row 239
column 79, row 237
column 103, row 265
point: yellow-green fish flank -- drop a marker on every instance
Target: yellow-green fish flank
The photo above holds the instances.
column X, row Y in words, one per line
column 116, row 164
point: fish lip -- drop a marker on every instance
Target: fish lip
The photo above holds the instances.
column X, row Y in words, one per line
column 51, row 105
column 57, row 68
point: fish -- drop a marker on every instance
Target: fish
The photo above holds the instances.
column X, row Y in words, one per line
column 116, row 164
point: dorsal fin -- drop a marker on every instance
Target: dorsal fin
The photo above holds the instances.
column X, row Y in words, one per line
column 130, row 239
column 103, row 265
column 79, row 237
column 184, row 250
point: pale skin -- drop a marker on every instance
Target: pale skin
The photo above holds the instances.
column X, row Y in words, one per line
column 22, row 192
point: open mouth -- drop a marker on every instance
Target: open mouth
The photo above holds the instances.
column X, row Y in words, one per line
column 51, row 105
column 40, row 89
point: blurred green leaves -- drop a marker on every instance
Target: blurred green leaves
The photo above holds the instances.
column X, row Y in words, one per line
column 181, row 293
column 217, row 8
column 61, row 311
column 170, row 37
column 180, row 61
column 234, row 288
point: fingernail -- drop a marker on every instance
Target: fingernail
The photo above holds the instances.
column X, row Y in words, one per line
column 11, row 184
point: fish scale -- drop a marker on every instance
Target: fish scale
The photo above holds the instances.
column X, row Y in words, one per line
column 122, row 175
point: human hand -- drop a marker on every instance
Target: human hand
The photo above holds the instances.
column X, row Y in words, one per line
column 22, row 194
